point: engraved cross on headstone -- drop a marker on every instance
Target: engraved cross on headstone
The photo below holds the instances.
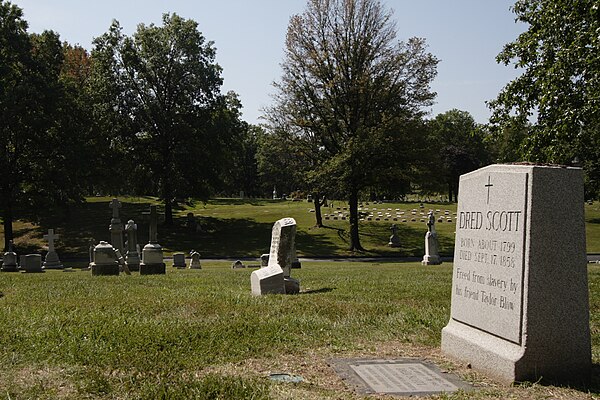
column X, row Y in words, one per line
column 50, row 237
column 489, row 186
column 115, row 204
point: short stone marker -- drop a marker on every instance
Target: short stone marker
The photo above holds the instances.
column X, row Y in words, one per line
column 9, row 261
column 31, row 263
column 105, row 260
column 520, row 308
column 404, row 377
column 52, row 261
column 179, row 260
column 432, row 252
column 238, row 264
column 195, row 260
column 152, row 255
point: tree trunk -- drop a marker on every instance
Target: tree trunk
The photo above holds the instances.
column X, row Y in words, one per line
column 318, row 216
column 168, row 199
column 7, row 218
column 354, row 237
column 168, row 211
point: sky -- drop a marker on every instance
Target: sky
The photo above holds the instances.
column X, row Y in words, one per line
column 249, row 35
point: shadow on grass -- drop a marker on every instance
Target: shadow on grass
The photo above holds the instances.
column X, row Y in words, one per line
column 316, row 291
column 234, row 237
column 591, row 387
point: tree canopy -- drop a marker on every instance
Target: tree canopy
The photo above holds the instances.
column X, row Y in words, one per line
column 560, row 84
column 356, row 90
column 42, row 137
column 164, row 84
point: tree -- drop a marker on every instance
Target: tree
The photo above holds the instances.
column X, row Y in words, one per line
column 164, row 85
column 39, row 156
column 460, row 143
column 352, row 86
column 560, row 85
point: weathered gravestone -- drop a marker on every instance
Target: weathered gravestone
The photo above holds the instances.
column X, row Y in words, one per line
column 52, row 261
column 195, row 260
column 519, row 288
column 179, row 260
column 275, row 277
column 31, row 263
column 9, row 261
column 152, row 255
column 105, row 260
column 432, row 252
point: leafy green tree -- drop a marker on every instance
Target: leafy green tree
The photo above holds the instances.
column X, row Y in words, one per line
column 460, row 143
column 352, row 85
column 560, row 85
column 41, row 144
column 158, row 95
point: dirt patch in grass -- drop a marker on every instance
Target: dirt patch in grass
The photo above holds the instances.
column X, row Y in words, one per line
column 322, row 382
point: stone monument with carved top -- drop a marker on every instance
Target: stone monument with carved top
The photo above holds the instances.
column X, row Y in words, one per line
column 152, row 255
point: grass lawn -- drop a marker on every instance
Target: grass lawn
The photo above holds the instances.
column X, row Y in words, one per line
column 242, row 228
column 200, row 334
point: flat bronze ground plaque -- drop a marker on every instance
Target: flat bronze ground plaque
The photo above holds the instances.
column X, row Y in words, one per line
column 406, row 377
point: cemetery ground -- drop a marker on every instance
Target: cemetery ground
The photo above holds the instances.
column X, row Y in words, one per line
column 200, row 334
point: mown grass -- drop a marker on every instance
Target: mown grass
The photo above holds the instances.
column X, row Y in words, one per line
column 200, row 334
column 241, row 228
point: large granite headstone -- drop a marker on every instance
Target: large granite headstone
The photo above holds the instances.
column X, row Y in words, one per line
column 152, row 255
column 520, row 308
column 275, row 277
column 52, row 261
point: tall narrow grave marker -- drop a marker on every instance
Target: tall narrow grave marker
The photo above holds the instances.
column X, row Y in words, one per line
column 152, row 255
column 275, row 277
